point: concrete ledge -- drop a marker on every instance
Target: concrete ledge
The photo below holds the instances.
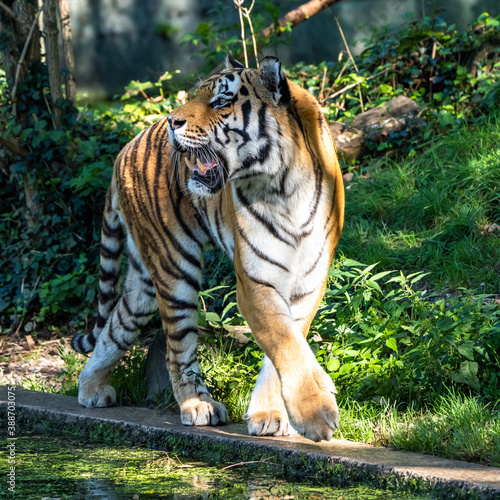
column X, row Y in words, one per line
column 335, row 462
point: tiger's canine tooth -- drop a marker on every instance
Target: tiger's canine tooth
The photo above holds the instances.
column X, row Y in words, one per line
column 201, row 166
column 189, row 163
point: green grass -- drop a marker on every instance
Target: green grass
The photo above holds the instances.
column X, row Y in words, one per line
column 427, row 212
column 457, row 426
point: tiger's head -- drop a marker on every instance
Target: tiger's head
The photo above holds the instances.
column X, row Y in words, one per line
column 230, row 130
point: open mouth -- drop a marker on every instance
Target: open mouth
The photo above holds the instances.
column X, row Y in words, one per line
column 208, row 171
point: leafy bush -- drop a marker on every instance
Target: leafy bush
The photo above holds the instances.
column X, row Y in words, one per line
column 453, row 75
column 382, row 339
column 49, row 258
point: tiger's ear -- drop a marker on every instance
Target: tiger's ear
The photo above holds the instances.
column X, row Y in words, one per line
column 273, row 78
column 232, row 63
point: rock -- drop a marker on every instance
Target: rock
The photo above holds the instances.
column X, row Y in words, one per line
column 157, row 376
column 336, row 128
column 379, row 123
column 374, row 125
column 351, row 143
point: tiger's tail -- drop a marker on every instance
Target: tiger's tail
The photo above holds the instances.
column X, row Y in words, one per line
column 112, row 239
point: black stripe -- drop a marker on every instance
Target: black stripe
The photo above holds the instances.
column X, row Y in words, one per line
column 105, row 297
column 112, row 232
column 182, row 334
column 266, row 222
column 135, row 314
column 174, row 319
column 147, row 281
column 266, row 284
column 79, row 342
column 299, row 296
column 101, row 320
column 118, row 344
column 91, row 339
column 134, row 262
column 176, row 303
column 108, row 253
column 318, row 191
column 123, row 325
column 313, row 267
column 246, row 109
column 111, row 276
column 185, row 365
column 257, row 252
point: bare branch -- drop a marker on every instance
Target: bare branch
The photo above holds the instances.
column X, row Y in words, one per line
column 298, row 15
column 21, row 60
column 8, row 10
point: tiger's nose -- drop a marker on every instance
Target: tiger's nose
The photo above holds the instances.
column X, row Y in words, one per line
column 175, row 123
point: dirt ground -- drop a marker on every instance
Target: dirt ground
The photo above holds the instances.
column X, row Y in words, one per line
column 25, row 356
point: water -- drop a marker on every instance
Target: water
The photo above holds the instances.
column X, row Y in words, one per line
column 63, row 467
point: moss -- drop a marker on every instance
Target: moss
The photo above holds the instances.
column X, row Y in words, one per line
column 294, row 465
column 65, row 466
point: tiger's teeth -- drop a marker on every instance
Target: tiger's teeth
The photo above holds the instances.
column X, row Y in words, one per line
column 201, row 166
column 189, row 163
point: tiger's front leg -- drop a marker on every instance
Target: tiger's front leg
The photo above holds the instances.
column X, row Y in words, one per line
column 179, row 315
column 308, row 392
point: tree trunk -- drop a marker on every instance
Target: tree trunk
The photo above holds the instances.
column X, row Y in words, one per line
column 67, row 43
column 21, row 52
column 52, row 49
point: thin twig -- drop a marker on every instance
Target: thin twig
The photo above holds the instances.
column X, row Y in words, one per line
column 264, row 460
column 21, row 59
column 339, row 76
column 242, row 24
column 247, row 12
column 320, row 97
column 351, row 85
column 8, row 10
column 361, row 99
column 346, row 45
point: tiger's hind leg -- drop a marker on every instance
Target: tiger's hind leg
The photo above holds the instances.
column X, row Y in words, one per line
column 177, row 302
column 134, row 309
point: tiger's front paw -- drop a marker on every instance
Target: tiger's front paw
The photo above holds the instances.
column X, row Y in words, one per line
column 311, row 405
column 197, row 412
column 269, row 423
column 99, row 396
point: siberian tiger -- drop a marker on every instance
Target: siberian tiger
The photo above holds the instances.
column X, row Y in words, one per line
column 248, row 164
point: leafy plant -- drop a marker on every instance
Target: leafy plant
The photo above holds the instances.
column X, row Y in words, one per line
column 382, row 339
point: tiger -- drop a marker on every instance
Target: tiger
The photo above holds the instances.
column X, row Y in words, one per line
column 248, row 165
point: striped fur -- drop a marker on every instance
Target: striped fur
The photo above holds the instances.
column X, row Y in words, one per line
column 249, row 165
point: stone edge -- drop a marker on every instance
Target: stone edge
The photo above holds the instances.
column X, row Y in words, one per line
column 335, row 470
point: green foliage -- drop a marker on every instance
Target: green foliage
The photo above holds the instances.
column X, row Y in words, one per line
column 128, row 378
column 221, row 32
column 455, row 426
column 49, row 255
column 229, row 374
column 382, row 339
column 453, row 75
column 459, row 427
column 429, row 211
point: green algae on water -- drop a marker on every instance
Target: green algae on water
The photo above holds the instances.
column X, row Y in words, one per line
column 65, row 467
